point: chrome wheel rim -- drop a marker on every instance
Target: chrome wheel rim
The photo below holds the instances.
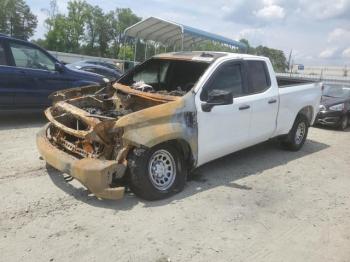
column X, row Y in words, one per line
column 300, row 133
column 162, row 170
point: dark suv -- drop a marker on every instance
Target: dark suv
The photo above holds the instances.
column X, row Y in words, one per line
column 29, row 74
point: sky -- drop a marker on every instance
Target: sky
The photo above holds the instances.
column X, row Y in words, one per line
column 317, row 31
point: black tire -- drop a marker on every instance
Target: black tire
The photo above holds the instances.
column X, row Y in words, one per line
column 143, row 182
column 294, row 141
column 344, row 122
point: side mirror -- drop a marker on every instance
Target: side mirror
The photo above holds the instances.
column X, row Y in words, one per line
column 217, row 97
column 59, row 67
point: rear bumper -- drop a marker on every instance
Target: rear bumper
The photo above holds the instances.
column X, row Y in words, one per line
column 95, row 174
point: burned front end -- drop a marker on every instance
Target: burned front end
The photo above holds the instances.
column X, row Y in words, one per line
column 84, row 140
column 74, row 143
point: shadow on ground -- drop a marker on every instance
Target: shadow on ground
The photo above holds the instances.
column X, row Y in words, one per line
column 13, row 120
column 222, row 172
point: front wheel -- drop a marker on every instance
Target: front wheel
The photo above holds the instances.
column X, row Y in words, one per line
column 297, row 135
column 157, row 173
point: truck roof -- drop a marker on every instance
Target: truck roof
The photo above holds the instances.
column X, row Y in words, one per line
column 202, row 56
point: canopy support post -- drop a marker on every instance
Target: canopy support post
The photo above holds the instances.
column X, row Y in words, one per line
column 146, row 51
column 135, row 48
column 182, row 41
column 124, row 47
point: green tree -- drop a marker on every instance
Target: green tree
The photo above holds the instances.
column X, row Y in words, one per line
column 249, row 49
column 98, row 31
column 76, row 20
column 87, row 29
column 277, row 57
column 121, row 18
column 66, row 32
column 16, row 19
column 93, row 16
column 59, row 37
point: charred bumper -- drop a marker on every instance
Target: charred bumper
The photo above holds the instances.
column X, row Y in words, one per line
column 95, row 174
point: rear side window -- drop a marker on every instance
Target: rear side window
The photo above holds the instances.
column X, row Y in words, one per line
column 258, row 79
column 2, row 55
column 228, row 77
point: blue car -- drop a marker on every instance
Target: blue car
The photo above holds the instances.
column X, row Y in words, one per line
column 29, row 74
column 111, row 74
column 104, row 64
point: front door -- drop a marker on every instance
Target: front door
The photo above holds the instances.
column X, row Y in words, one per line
column 225, row 128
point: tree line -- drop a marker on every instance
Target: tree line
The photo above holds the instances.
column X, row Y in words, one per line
column 16, row 19
column 89, row 30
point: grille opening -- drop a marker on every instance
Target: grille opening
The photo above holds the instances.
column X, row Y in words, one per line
column 69, row 120
column 78, row 147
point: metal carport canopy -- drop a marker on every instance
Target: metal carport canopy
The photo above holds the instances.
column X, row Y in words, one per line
column 174, row 34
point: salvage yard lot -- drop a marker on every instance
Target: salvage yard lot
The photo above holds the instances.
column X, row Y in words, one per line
column 259, row 204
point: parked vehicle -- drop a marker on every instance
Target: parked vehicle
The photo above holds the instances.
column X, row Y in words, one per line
column 334, row 107
column 28, row 74
column 104, row 64
column 171, row 114
column 111, row 74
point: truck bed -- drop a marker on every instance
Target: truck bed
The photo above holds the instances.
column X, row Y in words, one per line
column 296, row 94
column 283, row 81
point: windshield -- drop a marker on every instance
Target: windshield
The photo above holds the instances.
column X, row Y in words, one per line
column 174, row 77
column 333, row 91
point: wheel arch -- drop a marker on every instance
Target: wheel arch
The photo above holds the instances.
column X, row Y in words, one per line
column 308, row 112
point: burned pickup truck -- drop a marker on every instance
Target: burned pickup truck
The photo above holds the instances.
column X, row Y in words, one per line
column 169, row 115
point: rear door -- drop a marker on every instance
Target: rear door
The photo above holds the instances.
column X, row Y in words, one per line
column 6, row 85
column 265, row 101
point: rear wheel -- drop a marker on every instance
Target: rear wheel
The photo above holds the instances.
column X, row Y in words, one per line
column 344, row 122
column 297, row 135
column 157, row 173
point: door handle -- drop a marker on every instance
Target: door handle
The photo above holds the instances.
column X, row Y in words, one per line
column 244, row 107
column 272, row 101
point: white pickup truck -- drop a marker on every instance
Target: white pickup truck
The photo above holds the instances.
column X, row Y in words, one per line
column 169, row 115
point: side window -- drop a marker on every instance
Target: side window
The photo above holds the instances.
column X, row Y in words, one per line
column 227, row 77
column 29, row 57
column 258, row 77
column 2, row 55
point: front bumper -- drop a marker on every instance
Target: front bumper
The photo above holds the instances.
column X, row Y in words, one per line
column 328, row 118
column 95, row 174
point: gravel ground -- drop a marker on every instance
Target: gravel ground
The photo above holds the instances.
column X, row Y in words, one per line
column 259, row 204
